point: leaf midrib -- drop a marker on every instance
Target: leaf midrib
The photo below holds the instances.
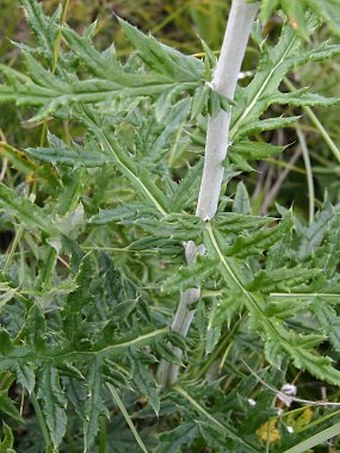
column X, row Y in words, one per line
column 130, row 172
column 250, row 107
column 252, row 305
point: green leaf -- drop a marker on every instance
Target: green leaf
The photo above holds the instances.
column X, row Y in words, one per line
column 187, row 190
column 246, row 245
column 267, row 9
column 262, row 91
column 171, row 441
column 161, row 245
column 54, row 403
column 163, row 105
column 7, row 294
column 319, row 366
column 8, row 408
column 166, row 352
column 26, row 166
column 296, row 346
column 210, row 60
column 163, row 59
column 102, row 65
column 212, row 337
column 94, row 405
column 45, row 28
column 241, row 203
column 6, row 445
column 114, row 376
column 274, row 353
column 329, row 11
column 231, row 222
column 265, row 125
column 35, row 327
column 82, row 296
column 190, row 276
column 175, row 119
column 140, row 180
column 296, row 17
column 199, row 102
column 220, row 427
column 174, row 226
column 254, row 150
column 125, row 213
column 281, row 279
column 225, row 308
column 144, row 383
column 70, row 156
column 25, row 211
column 304, row 98
column 215, row 439
column 25, row 377
column 63, row 99
column 314, row 234
column 328, row 320
column 6, row 344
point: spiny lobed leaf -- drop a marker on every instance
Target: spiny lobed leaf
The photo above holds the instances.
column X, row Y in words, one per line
column 109, row 78
column 163, row 59
column 262, row 91
column 54, row 403
column 92, row 324
column 45, row 28
column 21, row 208
column 94, row 406
column 236, row 275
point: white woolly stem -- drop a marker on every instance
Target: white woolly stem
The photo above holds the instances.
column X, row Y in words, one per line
column 225, row 78
column 235, row 40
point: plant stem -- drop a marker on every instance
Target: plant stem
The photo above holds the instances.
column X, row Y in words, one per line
column 309, row 172
column 127, row 417
column 224, row 82
column 42, row 423
column 102, row 435
column 225, row 78
column 17, row 238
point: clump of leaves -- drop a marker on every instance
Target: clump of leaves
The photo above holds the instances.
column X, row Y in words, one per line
column 98, row 214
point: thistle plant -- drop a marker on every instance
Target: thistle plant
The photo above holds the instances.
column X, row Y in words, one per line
column 142, row 301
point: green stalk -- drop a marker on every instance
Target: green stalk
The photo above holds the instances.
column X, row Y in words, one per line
column 309, row 172
column 240, row 21
column 127, row 417
column 102, row 435
column 40, row 417
column 17, row 238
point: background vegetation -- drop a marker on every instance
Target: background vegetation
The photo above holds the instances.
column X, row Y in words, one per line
column 227, row 397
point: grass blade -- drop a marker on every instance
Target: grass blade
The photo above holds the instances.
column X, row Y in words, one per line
column 317, row 439
column 127, row 417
